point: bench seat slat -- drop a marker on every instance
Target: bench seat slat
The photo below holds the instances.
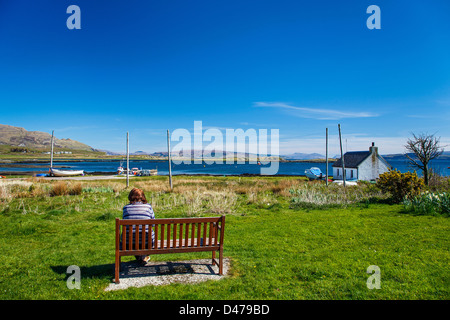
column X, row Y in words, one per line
column 204, row 233
column 174, row 234
column 130, row 235
column 193, row 234
column 186, row 236
column 180, row 236
column 168, row 236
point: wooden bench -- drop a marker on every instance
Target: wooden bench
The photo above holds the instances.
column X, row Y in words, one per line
column 170, row 236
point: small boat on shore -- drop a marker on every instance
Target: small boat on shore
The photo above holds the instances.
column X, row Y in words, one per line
column 151, row 172
column 314, row 173
column 65, row 173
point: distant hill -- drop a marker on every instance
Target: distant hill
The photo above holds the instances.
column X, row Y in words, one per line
column 303, row 156
column 160, row 154
column 401, row 156
column 137, row 153
column 187, row 153
column 19, row 137
column 110, row 153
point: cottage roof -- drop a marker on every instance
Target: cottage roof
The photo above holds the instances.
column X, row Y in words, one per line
column 352, row 159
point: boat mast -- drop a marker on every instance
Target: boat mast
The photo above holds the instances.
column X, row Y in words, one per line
column 326, row 155
column 169, row 159
column 128, row 160
column 51, row 153
column 342, row 155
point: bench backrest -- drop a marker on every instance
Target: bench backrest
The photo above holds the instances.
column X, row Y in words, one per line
column 185, row 234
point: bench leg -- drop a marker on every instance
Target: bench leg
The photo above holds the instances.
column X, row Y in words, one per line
column 221, row 261
column 117, row 269
column 213, row 258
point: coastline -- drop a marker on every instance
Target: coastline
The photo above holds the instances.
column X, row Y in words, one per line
column 41, row 167
column 114, row 174
column 98, row 167
column 35, row 160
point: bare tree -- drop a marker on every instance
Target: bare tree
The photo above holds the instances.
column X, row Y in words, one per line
column 425, row 147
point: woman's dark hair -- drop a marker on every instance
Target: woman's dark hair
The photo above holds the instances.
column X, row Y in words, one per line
column 137, row 195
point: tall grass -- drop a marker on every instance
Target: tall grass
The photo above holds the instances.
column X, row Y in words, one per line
column 318, row 195
column 10, row 189
column 195, row 202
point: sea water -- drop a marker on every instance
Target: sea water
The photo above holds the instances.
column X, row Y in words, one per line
column 285, row 168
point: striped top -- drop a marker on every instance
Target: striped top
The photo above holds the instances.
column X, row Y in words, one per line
column 138, row 210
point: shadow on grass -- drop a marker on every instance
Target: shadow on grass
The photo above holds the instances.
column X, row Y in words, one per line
column 374, row 200
column 416, row 213
column 93, row 272
column 134, row 269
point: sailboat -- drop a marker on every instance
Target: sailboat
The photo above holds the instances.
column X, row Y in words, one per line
column 65, row 173
column 120, row 169
column 61, row 173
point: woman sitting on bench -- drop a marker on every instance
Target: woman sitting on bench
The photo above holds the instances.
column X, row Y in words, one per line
column 138, row 208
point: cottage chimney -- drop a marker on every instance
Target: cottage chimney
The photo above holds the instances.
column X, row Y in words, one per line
column 373, row 149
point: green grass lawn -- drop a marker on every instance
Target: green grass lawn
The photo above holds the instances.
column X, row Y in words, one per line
column 276, row 252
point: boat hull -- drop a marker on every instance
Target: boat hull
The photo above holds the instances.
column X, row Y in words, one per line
column 65, row 173
column 314, row 173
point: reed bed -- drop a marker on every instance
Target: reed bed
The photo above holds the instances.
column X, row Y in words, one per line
column 318, row 195
column 192, row 196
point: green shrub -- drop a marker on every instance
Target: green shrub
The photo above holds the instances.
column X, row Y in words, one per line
column 400, row 185
column 429, row 203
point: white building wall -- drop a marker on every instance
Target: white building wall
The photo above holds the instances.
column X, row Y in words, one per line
column 337, row 173
column 371, row 168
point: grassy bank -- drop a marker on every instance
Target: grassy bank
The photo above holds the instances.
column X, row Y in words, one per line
column 287, row 239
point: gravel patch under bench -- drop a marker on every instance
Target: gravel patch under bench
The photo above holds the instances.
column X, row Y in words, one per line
column 165, row 272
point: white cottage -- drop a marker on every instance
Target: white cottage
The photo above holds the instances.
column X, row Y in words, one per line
column 361, row 165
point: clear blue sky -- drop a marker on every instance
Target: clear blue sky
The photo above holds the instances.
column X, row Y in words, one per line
column 297, row 66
